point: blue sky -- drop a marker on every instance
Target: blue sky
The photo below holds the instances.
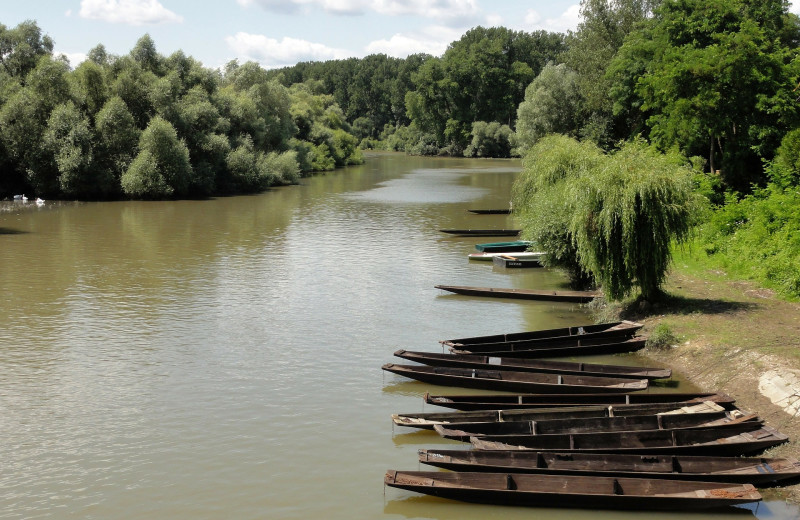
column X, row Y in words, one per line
column 280, row 32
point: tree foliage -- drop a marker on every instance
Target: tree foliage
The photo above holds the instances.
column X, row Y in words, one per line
column 714, row 78
column 610, row 217
column 145, row 125
column 553, row 104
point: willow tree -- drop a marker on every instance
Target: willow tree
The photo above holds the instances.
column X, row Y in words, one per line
column 612, row 217
column 544, row 202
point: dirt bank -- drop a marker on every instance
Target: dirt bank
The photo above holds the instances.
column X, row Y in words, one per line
column 738, row 339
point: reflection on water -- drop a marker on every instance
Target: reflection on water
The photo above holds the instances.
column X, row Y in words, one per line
column 221, row 358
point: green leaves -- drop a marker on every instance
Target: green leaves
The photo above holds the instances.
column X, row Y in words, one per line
column 611, row 218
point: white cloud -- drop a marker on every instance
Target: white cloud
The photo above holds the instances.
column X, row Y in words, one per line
column 131, row 12
column 431, row 40
column 271, row 53
column 75, row 58
column 446, row 11
column 567, row 21
column 794, row 7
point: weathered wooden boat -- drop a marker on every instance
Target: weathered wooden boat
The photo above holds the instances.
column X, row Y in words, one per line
column 625, row 329
column 523, row 294
column 509, row 380
column 491, row 211
column 729, row 440
column 532, row 365
column 464, row 431
column 508, row 261
column 519, row 401
column 742, row 470
column 555, row 348
column 488, row 257
column 573, row 491
column 427, row 420
column 482, row 232
column 504, row 247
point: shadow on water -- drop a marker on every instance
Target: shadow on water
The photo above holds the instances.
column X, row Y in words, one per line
column 430, row 507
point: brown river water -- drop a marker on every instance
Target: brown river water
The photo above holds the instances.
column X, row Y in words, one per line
column 220, row 359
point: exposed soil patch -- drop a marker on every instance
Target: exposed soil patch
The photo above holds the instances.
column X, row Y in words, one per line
column 738, row 339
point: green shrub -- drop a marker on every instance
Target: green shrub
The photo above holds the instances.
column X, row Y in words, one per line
column 661, row 337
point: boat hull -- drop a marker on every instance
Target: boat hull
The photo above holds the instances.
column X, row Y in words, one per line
column 572, row 491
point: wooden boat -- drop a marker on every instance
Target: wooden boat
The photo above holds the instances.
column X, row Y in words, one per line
column 509, row 380
column 504, row 247
column 731, row 440
column 488, row 257
column 491, row 211
column 532, row 365
column 482, row 232
column 520, row 401
column 742, row 470
column 625, row 329
column 573, row 491
column 464, row 431
column 556, row 348
column 508, row 261
column 427, row 420
column 523, row 294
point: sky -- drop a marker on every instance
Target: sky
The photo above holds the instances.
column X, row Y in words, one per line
column 278, row 33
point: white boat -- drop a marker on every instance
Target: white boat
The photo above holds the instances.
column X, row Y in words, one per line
column 523, row 255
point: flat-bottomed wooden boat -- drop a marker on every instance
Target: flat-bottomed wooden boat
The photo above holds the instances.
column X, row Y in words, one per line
column 491, row 211
column 504, row 247
column 523, row 294
column 464, row 431
column 427, row 420
column 573, row 491
column 471, row 402
column 624, row 329
column 737, row 439
column 555, row 348
column 532, row 365
column 508, row 380
column 488, row 257
column 482, row 232
column 742, row 470
column 508, row 261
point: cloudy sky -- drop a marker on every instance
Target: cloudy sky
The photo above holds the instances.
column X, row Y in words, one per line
column 280, row 32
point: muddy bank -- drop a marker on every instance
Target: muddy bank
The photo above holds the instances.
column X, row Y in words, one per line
column 737, row 339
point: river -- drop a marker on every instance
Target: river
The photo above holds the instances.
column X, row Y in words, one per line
column 220, row 359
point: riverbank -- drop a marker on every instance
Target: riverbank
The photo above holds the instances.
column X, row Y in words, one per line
column 736, row 338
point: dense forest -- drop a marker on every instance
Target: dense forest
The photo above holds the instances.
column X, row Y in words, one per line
column 710, row 87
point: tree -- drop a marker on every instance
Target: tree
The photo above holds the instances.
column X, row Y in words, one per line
column 21, row 48
column 611, row 217
column 553, row 104
column 718, row 81
column 162, row 168
column 68, row 138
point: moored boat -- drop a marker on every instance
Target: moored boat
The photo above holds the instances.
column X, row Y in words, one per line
column 509, row 380
column 752, row 470
column 504, row 247
column 729, row 440
column 427, row 420
column 464, row 431
column 572, row 491
column 488, row 257
column 522, row 294
column 469, row 402
column 482, row 232
column 555, row 348
column 509, row 261
column 491, row 211
column 532, row 365
column 612, row 329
